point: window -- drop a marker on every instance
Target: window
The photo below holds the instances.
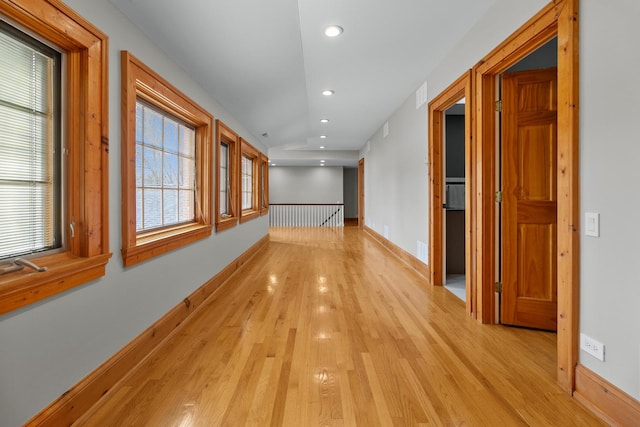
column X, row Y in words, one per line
column 247, row 183
column 64, row 209
column 264, row 185
column 30, row 149
column 227, row 182
column 165, row 169
column 166, row 165
column 249, row 175
column 225, row 194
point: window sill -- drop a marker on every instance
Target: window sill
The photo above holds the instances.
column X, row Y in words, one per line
column 226, row 223
column 264, row 211
column 155, row 244
column 249, row 215
column 64, row 271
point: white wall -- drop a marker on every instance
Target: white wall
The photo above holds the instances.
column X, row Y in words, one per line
column 396, row 176
column 292, row 184
column 609, row 179
column 350, row 192
column 396, row 179
column 47, row 347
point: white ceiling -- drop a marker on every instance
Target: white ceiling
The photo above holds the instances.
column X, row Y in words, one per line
column 267, row 61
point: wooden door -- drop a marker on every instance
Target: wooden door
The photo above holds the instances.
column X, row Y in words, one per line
column 529, row 199
column 361, row 193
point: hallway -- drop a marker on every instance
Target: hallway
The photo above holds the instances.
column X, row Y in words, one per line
column 324, row 327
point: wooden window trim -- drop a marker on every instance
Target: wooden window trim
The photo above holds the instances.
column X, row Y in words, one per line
column 139, row 81
column 264, row 163
column 228, row 136
column 86, row 203
column 248, row 150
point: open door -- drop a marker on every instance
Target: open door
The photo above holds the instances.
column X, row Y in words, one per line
column 529, row 199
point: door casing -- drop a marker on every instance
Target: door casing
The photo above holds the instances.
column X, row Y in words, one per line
column 558, row 19
column 462, row 87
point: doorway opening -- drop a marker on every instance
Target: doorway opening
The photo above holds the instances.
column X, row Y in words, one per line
column 454, row 199
column 558, row 19
column 458, row 239
column 480, row 86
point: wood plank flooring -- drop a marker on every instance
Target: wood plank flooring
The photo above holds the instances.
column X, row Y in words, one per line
column 325, row 328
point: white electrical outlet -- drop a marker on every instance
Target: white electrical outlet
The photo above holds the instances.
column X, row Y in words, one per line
column 591, row 346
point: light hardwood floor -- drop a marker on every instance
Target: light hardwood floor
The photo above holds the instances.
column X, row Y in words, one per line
column 325, row 328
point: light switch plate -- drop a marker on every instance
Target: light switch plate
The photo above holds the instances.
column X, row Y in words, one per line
column 592, row 224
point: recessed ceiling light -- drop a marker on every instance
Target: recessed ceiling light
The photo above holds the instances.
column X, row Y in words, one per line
column 333, row 31
column 323, row 136
column 324, row 120
column 322, row 147
column 321, row 161
column 328, row 92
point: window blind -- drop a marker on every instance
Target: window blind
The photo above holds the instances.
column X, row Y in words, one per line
column 29, row 160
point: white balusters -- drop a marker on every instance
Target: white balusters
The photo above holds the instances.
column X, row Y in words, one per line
column 306, row 215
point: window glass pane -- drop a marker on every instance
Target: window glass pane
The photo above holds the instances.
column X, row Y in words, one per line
column 187, row 141
column 247, row 182
column 152, row 130
column 170, row 172
column 187, row 173
column 139, row 118
column 25, row 216
column 170, row 206
column 263, row 198
column 28, row 68
column 139, row 163
column 165, row 169
column 26, row 150
column 224, row 179
column 152, row 205
column 170, row 135
column 29, row 157
column 187, row 202
column 152, row 167
column 139, row 213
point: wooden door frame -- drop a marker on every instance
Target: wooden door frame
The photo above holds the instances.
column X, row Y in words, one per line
column 559, row 18
column 361, row 193
column 462, row 87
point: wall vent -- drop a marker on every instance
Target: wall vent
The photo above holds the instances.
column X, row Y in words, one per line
column 422, row 251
